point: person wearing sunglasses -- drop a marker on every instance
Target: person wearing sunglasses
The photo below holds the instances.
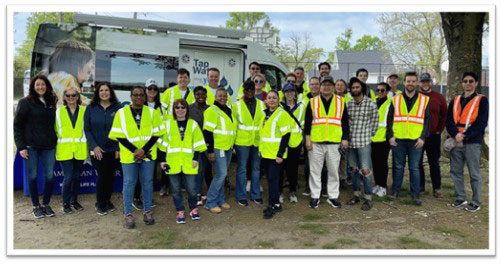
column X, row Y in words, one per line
column 432, row 143
column 380, row 147
column 71, row 150
column 466, row 123
column 137, row 128
column 180, row 148
column 254, row 68
column 259, row 82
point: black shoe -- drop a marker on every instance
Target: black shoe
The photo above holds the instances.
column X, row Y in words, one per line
column 393, row 196
column 472, row 207
column 67, row 209
column 76, row 206
column 38, row 212
column 48, row 211
column 417, row 201
column 138, row 204
column 366, row 205
column 243, row 202
column 268, row 213
column 277, row 208
column 164, row 191
column 354, row 200
column 334, row 202
column 458, row 203
column 257, row 201
column 110, row 207
column 148, row 218
column 314, row 203
column 100, row 209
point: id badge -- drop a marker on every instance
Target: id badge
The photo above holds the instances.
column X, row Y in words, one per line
column 222, row 153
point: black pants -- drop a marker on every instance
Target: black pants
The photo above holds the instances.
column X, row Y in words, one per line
column 291, row 169
column 379, row 157
column 433, row 148
column 273, row 170
column 106, row 168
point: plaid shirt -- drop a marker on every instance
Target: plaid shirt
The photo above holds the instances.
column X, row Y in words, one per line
column 363, row 121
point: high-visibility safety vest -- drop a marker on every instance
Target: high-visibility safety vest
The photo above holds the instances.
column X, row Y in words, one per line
column 327, row 127
column 124, row 126
column 297, row 131
column 179, row 153
column 409, row 125
column 248, row 127
column 397, row 92
column 301, row 96
column 72, row 142
column 271, row 132
column 223, row 128
column 464, row 118
column 172, row 94
column 211, row 97
column 266, row 88
column 383, row 111
column 346, row 97
column 372, row 95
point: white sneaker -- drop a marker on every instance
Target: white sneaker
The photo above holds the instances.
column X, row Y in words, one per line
column 281, row 199
column 292, row 198
column 248, row 186
column 381, row 191
column 375, row 189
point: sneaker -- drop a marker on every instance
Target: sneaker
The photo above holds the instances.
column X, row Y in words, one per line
column 225, row 206
column 248, row 186
column 199, row 200
column 257, row 201
column 76, row 206
column 458, row 203
column 281, row 198
column 366, row 205
column 99, row 210
column 110, row 207
column 375, row 189
column 215, row 210
column 437, row 194
column 66, row 209
column 268, row 213
column 38, row 212
column 148, row 218
column 129, row 221
column 137, row 204
column 382, row 191
column 417, row 201
column 472, row 208
column 277, row 208
column 334, row 202
column 292, row 198
column 243, row 202
column 180, row 217
column 314, row 203
column 306, row 192
column 164, row 191
column 204, row 198
column 48, row 211
column 195, row 214
column 354, row 200
column 392, row 197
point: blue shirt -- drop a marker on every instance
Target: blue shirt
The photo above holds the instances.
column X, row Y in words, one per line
column 97, row 125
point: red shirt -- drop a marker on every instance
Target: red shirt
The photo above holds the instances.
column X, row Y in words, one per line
column 438, row 110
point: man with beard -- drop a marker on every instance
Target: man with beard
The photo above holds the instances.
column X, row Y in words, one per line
column 324, row 69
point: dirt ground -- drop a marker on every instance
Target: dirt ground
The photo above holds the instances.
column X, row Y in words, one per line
column 435, row 225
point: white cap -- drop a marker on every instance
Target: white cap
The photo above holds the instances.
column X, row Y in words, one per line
column 150, row 82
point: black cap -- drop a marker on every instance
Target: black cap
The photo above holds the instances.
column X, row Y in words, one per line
column 425, row 77
column 327, row 78
column 393, row 75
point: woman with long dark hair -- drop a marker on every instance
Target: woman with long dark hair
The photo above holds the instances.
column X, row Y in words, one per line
column 36, row 139
column 98, row 120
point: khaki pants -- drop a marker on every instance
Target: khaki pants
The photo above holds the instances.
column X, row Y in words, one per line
column 319, row 154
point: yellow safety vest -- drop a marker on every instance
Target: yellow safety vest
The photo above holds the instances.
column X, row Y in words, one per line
column 397, row 92
column 296, row 131
column 409, row 125
column 124, row 126
column 271, row 132
column 169, row 96
column 327, row 128
column 267, row 89
column 247, row 127
column 210, row 97
column 72, row 142
column 223, row 128
column 383, row 111
column 179, row 153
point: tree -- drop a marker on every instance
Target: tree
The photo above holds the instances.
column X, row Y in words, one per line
column 299, row 51
column 368, row 42
column 248, row 20
column 415, row 38
column 343, row 41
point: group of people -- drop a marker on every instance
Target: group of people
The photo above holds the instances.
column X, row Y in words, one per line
column 345, row 131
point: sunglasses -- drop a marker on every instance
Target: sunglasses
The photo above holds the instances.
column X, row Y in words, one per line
column 468, row 81
column 290, row 81
column 255, row 69
column 380, row 90
column 71, row 95
column 179, row 107
column 138, row 95
column 259, row 81
column 151, row 88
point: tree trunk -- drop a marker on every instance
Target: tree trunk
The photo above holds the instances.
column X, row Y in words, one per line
column 463, row 33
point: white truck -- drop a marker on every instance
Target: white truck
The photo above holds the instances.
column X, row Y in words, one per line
column 130, row 51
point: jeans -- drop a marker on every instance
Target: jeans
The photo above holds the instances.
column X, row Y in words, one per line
column 71, row 181
column 243, row 155
column 291, row 169
column 380, row 160
column 406, row 147
column 48, row 158
column 216, row 192
column 272, row 170
column 176, row 184
column 359, row 159
column 433, row 148
column 145, row 170
column 470, row 154
column 106, row 168
column 205, row 172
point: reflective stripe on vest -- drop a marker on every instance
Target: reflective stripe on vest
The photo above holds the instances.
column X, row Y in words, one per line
column 409, row 125
column 459, row 116
column 272, row 137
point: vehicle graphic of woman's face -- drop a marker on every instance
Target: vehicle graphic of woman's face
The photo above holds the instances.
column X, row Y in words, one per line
column 85, row 72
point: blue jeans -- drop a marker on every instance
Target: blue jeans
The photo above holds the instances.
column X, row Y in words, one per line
column 243, row 154
column 48, row 158
column 273, row 171
column 71, row 181
column 176, row 190
column 130, row 173
column 216, row 192
column 405, row 148
column 358, row 160
column 201, row 174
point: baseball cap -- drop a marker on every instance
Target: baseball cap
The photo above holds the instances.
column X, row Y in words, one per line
column 288, row 87
column 327, row 78
column 425, row 77
column 393, row 75
column 150, row 82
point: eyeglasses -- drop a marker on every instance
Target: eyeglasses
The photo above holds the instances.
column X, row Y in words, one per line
column 71, row 95
column 152, row 88
column 290, row 81
column 259, row 81
column 468, row 81
column 380, row 90
column 255, row 69
column 179, row 107
column 138, row 95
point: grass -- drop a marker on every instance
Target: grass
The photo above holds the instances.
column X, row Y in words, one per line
column 450, row 231
column 309, row 244
column 409, row 242
column 313, row 216
column 329, row 246
column 339, row 243
column 406, row 201
column 314, row 228
column 163, row 240
column 265, row 244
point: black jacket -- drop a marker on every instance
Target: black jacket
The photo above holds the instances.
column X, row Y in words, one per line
column 34, row 125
